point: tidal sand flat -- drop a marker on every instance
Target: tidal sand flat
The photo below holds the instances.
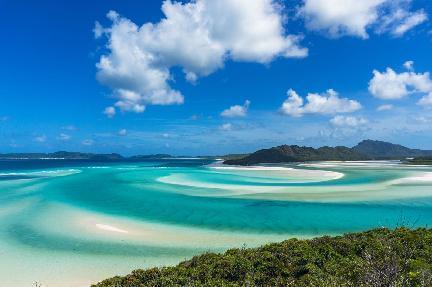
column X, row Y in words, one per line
column 73, row 224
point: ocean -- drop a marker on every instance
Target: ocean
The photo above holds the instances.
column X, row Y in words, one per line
column 67, row 223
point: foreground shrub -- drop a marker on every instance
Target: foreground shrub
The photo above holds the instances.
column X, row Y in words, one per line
column 381, row 257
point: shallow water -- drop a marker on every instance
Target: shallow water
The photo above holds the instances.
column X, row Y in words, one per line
column 72, row 223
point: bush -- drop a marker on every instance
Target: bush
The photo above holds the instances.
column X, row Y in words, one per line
column 380, row 257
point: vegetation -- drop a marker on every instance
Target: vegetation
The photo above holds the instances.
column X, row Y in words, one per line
column 365, row 150
column 380, row 257
column 421, row 160
column 385, row 150
column 233, row 156
column 294, row 153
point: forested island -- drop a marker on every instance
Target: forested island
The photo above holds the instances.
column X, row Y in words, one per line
column 381, row 257
column 365, row 150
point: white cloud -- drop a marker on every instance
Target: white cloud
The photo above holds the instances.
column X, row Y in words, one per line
column 353, row 17
column 122, row 132
column 129, row 101
column 348, row 121
column 293, row 106
column 384, row 108
column 409, row 21
column 390, row 85
column 409, row 65
column 325, row 103
column 109, row 112
column 341, row 17
column 98, row 30
column 236, row 111
column 64, row 137
column 40, row 139
column 198, row 37
column 226, row 127
column 426, row 100
column 88, row 142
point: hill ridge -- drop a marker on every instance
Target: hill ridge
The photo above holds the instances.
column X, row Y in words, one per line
column 364, row 150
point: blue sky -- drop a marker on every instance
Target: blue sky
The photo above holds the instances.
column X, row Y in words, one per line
column 213, row 79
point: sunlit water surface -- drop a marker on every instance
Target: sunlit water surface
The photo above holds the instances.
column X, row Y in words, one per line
column 73, row 223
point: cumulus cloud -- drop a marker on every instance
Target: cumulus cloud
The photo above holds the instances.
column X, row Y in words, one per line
column 129, row 101
column 426, row 100
column 341, row 17
column 384, row 108
column 348, row 121
column 236, row 111
column 353, row 17
column 390, row 85
column 325, row 103
column 409, row 65
column 198, row 37
column 64, row 137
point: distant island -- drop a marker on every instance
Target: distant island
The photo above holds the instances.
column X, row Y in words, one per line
column 365, row 150
column 81, row 156
column 61, row 155
column 379, row 150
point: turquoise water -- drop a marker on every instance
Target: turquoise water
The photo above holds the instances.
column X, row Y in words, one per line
column 73, row 223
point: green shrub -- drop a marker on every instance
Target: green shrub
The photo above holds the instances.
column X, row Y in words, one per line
column 381, row 257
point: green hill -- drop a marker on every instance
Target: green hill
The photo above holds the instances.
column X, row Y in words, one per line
column 386, row 150
column 380, row 257
column 294, row 153
column 365, row 150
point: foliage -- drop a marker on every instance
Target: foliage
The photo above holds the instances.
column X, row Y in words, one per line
column 380, row 257
column 294, row 153
column 385, row 150
column 365, row 150
column 421, row 160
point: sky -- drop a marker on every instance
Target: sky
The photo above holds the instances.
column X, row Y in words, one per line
column 210, row 77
